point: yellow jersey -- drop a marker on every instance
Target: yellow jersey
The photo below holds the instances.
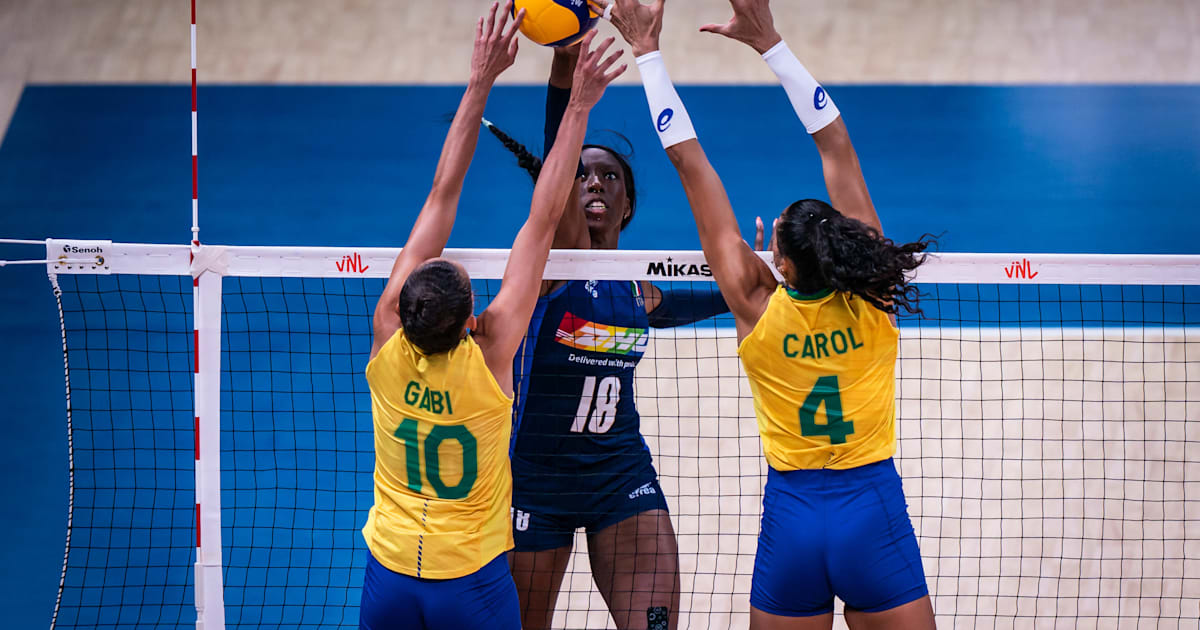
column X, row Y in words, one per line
column 822, row 369
column 443, row 483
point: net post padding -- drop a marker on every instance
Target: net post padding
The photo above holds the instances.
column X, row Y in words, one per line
column 210, row 606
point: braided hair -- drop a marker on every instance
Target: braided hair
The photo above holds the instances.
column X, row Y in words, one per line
column 526, row 160
column 832, row 251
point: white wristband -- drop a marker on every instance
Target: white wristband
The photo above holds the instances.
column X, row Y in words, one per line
column 812, row 104
column 671, row 119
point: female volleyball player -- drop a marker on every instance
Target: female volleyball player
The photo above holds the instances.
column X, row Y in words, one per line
column 579, row 460
column 819, row 351
column 441, row 380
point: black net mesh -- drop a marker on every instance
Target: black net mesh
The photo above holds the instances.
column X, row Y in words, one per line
column 1048, row 440
column 132, row 536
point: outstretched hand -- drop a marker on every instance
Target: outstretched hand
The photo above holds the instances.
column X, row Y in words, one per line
column 752, row 24
column 640, row 24
column 592, row 71
column 495, row 48
column 758, row 234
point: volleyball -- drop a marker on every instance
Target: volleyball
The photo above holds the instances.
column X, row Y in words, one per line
column 556, row 22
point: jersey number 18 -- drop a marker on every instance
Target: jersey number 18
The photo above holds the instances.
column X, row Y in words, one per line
column 604, row 414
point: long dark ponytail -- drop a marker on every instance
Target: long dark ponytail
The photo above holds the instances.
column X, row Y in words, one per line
column 832, row 251
column 526, row 160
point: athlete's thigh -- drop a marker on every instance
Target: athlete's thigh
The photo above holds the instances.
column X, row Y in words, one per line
column 390, row 600
column 484, row 599
column 762, row 620
column 539, row 576
column 635, row 563
column 915, row 615
column 875, row 563
column 790, row 578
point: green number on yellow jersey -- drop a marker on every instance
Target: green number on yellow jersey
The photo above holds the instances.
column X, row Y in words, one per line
column 836, row 428
column 407, row 432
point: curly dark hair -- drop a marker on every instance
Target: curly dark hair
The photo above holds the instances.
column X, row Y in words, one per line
column 435, row 303
column 832, row 251
column 532, row 164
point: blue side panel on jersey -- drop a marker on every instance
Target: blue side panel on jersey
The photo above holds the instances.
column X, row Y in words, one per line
column 523, row 363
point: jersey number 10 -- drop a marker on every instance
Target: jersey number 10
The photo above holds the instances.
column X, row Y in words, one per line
column 407, row 432
column 604, row 414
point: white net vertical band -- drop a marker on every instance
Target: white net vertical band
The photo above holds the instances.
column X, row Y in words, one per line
column 1048, row 434
column 210, row 607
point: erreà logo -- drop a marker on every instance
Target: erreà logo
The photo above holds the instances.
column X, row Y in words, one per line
column 820, row 99
column 670, row 269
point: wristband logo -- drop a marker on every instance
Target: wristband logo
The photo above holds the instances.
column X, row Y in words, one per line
column 664, row 119
column 820, row 98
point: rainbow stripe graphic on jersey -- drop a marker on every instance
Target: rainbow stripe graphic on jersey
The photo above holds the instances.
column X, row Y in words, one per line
column 579, row 333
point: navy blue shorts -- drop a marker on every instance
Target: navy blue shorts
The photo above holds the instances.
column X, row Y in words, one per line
column 548, row 508
column 485, row 599
column 836, row 532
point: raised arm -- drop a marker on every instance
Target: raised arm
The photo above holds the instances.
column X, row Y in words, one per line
column 495, row 51
column 745, row 280
column 753, row 25
column 572, row 232
column 504, row 324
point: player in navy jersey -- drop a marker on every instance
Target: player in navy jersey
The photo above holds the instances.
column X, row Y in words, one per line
column 579, row 459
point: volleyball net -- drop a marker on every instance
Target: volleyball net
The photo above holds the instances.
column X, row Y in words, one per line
column 222, row 452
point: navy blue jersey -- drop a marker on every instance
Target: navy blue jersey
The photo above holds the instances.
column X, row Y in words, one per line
column 574, row 380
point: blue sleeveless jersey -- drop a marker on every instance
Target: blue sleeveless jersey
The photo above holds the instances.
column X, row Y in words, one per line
column 573, row 378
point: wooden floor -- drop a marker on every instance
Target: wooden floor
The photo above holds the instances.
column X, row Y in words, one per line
column 409, row 41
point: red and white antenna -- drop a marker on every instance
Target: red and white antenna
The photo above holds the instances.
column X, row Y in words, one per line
column 206, row 337
column 195, row 168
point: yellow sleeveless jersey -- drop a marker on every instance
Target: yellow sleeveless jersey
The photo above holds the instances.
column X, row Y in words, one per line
column 822, row 369
column 443, row 482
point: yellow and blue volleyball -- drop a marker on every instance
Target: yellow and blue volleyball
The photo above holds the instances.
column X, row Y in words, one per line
column 556, row 22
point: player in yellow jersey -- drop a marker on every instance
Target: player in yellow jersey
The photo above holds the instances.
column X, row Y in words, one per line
column 441, row 379
column 819, row 350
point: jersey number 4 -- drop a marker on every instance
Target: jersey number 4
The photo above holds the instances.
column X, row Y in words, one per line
column 604, row 414
column 407, row 432
column 836, row 428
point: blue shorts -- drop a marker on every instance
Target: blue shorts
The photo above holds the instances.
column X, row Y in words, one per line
column 548, row 508
column 836, row 532
column 485, row 599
